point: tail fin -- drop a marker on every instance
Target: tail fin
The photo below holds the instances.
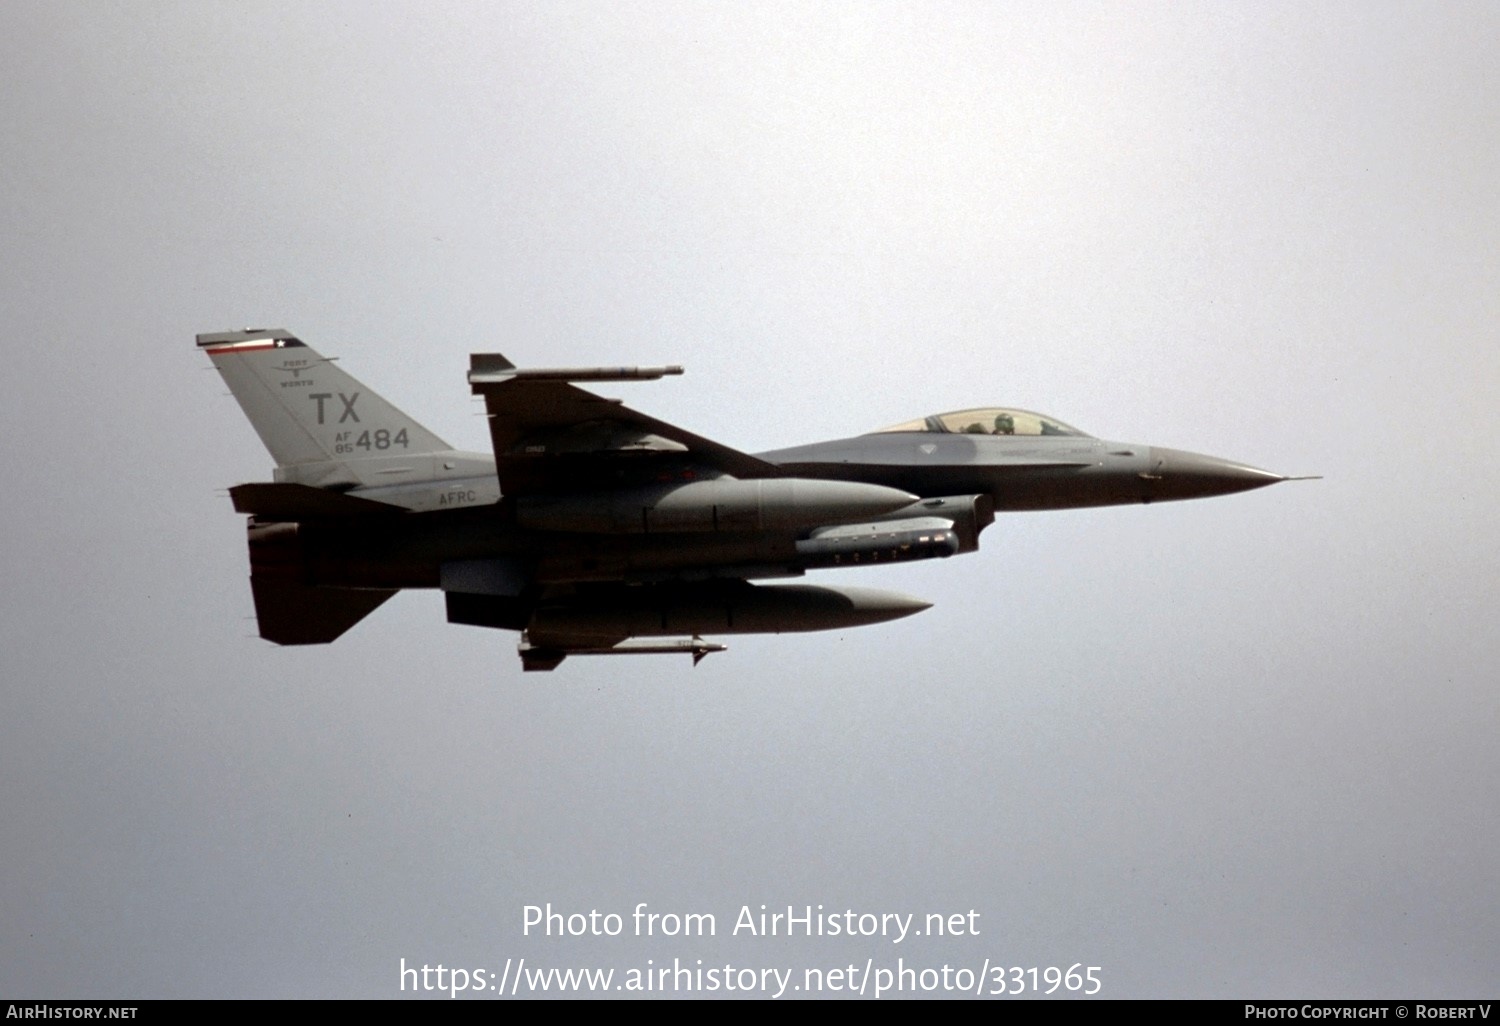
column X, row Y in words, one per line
column 323, row 427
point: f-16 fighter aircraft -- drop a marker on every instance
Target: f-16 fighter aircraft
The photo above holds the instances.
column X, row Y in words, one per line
column 597, row 530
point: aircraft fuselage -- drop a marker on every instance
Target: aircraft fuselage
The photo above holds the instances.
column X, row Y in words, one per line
column 1023, row 473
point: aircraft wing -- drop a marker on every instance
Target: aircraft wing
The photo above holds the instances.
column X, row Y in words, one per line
column 551, row 436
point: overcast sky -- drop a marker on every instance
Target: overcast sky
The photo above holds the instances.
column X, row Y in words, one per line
column 1238, row 747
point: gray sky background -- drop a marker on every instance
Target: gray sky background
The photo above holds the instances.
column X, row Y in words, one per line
column 1241, row 747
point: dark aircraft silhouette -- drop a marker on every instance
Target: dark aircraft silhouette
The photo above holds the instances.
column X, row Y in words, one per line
column 593, row 525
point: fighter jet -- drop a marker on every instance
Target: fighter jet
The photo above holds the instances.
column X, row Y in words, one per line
column 593, row 529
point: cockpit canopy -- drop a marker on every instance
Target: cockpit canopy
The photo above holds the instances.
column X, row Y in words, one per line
column 989, row 420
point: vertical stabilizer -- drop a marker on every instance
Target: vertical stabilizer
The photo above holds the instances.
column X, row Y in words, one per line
column 322, row 427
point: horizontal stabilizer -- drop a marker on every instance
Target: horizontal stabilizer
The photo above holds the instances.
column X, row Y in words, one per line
column 299, row 614
column 287, row 501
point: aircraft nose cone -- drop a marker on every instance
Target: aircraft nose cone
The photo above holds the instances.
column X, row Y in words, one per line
column 1176, row 474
